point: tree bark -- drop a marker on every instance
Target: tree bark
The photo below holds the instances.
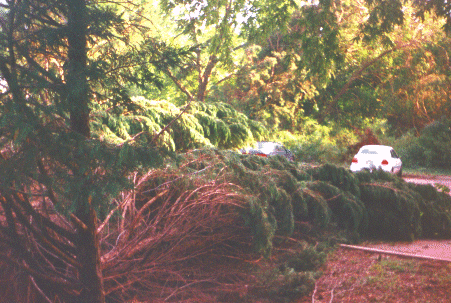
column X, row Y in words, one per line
column 88, row 251
column 90, row 273
column 77, row 85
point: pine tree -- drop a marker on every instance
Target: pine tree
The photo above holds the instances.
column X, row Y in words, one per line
column 56, row 181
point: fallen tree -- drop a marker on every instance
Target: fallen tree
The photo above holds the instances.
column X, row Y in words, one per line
column 214, row 225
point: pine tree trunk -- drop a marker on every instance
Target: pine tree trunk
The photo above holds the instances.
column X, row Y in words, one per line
column 77, row 83
column 88, row 251
column 90, row 275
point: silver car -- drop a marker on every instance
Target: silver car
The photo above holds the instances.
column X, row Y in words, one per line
column 267, row 149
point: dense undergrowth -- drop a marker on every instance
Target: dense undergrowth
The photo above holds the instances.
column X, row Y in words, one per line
column 218, row 226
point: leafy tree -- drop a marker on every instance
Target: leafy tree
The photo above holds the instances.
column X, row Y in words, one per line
column 381, row 72
column 208, row 40
column 284, row 69
column 385, row 15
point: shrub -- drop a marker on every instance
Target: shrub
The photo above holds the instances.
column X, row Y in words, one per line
column 314, row 142
column 410, row 150
column 435, row 140
column 431, row 148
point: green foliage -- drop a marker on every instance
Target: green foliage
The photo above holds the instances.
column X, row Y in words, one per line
column 430, row 149
column 386, row 14
column 337, row 176
column 263, row 226
column 393, row 213
column 202, row 124
column 435, row 140
column 383, row 18
column 313, row 142
column 436, row 214
column 283, row 285
column 308, row 258
column 282, row 196
column 403, row 211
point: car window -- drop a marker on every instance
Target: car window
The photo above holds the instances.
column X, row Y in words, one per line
column 368, row 152
column 393, row 154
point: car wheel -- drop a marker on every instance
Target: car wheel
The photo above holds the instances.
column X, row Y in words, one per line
column 399, row 174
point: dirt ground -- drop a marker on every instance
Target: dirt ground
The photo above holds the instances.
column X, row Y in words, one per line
column 352, row 275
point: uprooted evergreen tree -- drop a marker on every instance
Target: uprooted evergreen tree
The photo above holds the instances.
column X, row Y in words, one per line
column 205, row 219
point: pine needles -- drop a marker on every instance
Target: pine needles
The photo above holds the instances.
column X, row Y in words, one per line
column 201, row 125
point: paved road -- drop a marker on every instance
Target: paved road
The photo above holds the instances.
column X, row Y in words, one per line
column 433, row 180
column 424, row 249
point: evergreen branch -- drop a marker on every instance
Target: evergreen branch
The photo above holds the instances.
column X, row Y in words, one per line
column 63, row 251
column 172, row 121
column 47, row 179
column 11, row 224
column 42, row 16
column 132, row 138
column 381, row 185
column 174, row 79
column 57, row 282
column 172, row 181
column 42, row 219
column 46, row 74
column 226, row 78
column 141, row 211
column 80, row 225
column 40, row 290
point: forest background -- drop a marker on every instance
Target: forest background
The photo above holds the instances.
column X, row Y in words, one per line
column 120, row 123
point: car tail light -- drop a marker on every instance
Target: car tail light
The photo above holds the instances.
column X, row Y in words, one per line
column 384, row 162
column 354, row 160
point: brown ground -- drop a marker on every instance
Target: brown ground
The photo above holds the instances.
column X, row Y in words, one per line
column 357, row 276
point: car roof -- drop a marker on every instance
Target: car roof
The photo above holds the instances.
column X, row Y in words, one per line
column 268, row 143
column 376, row 147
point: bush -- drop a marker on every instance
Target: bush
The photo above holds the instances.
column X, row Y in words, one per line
column 435, row 139
column 432, row 148
column 314, row 142
column 410, row 150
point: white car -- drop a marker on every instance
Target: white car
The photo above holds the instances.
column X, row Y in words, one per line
column 373, row 157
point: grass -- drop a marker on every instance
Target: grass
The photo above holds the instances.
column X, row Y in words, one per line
column 391, row 274
column 398, row 265
column 358, row 276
